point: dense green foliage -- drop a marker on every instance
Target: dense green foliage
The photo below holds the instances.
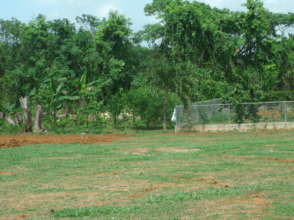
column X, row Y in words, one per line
column 84, row 71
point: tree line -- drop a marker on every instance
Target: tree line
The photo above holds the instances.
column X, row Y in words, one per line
column 97, row 72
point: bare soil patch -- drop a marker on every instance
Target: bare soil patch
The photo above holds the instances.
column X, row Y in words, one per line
column 106, row 174
column 138, row 151
column 143, row 192
column 14, row 217
column 279, row 160
column 176, row 150
column 66, row 158
column 21, row 140
column 7, row 173
column 253, row 200
column 251, row 203
column 257, row 158
column 143, row 150
column 252, row 207
column 212, row 181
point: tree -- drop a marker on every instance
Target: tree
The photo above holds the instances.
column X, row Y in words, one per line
column 186, row 43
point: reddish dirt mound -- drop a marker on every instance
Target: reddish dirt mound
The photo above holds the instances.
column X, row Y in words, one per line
column 21, row 140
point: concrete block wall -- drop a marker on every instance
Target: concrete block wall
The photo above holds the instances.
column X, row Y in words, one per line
column 236, row 127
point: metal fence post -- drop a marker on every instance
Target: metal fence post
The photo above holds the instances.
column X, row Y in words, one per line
column 230, row 117
column 285, row 112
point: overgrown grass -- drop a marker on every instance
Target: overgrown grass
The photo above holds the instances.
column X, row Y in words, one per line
column 153, row 176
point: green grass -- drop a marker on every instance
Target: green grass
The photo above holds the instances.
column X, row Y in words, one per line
column 153, row 176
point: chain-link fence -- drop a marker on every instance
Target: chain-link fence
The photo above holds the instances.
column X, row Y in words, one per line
column 213, row 112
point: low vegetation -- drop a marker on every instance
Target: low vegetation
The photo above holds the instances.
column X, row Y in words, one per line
column 152, row 175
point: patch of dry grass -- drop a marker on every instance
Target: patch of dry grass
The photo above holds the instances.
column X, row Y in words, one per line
column 122, row 176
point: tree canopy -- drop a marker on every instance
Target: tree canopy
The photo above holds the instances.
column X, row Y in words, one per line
column 95, row 66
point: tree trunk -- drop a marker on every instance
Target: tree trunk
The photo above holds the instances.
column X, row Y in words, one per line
column 114, row 120
column 134, row 119
column 18, row 118
column 165, row 106
column 27, row 120
column 15, row 121
column 10, row 121
column 38, row 125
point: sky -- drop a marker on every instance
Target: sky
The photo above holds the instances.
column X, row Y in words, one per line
column 25, row 10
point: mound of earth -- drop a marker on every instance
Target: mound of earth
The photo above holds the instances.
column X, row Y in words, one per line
column 21, row 140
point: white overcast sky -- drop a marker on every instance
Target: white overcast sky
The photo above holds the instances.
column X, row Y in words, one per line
column 26, row 10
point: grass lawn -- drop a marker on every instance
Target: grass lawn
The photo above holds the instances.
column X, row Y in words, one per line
column 153, row 176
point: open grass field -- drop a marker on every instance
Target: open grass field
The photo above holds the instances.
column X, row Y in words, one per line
column 152, row 176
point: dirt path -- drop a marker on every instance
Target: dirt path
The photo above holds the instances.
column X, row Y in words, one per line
column 21, row 140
